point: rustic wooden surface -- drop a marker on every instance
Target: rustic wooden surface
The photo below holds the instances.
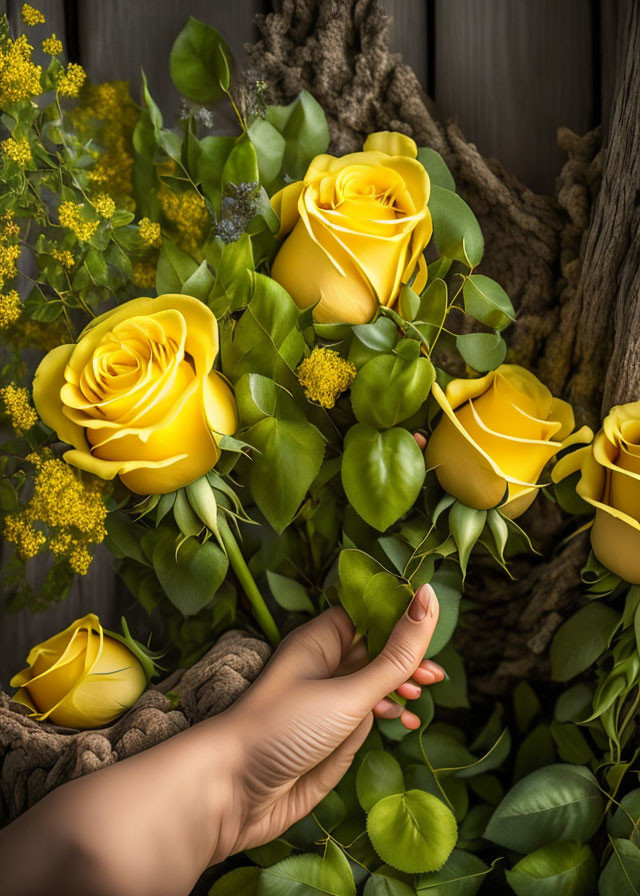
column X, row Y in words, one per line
column 509, row 71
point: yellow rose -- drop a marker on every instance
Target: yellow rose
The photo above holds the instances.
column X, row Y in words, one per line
column 495, row 436
column 357, row 229
column 610, row 482
column 137, row 396
column 80, row 678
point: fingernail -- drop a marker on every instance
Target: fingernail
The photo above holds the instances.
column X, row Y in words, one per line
column 437, row 669
column 420, row 603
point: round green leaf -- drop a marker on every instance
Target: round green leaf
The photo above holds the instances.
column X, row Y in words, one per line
column 558, row 802
column 303, row 874
column 191, row 579
column 385, row 883
column 621, row 875
column 382, row 473
column 198, row 62
column 436, row 168
column 291, row 595
column 461, row 875
column 455, row 228
column 486, row 301
column 482, row 351
column 412, row 831
column 240, row 880
column 626, row 818
column 389, row 389
column 581, row 639
column 559, row 869
column 379, row 775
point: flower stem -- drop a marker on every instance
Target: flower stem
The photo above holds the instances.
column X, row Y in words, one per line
column 239, row 565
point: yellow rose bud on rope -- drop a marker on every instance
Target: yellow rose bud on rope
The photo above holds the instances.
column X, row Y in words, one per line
column 610, row 482
column 137, row 397
column 356, row 229
column 81, row 678
column 495, row 436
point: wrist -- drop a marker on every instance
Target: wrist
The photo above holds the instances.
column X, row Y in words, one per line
column 219, row 760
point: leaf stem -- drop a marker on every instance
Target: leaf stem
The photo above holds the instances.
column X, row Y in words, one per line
column 239, row 565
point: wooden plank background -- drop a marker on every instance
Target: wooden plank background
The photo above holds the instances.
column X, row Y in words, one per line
column 508, row 71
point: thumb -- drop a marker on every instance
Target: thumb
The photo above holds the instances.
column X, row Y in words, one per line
column 402, row 654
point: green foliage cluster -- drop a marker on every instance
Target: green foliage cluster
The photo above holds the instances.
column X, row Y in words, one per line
column 334, row 505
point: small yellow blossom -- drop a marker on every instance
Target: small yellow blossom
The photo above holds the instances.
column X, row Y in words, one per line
column 63, row 257
column 71, row 81
column 28, row 540
column 52, row 46
column 31, row 15
column 9, row 229
column 144, row 274
column 70, row 217
column 80, row 559
column 104, row 205
column 18, row 150
column 10, row 309
column 324, row 375
column 19, row 77
column 150, row 232
column 9, row 256
column 188, row 212
column 18, row 407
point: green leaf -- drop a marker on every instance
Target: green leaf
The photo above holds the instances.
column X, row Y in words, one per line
column 559, row 869
column 214, row 152
column 388, row 389
column 286, row 461
column 123, row 537
column 461, row 875
column 303, row 874
column 379, row 775
column 374, row 598
column 558, row 802
column 451, row 693
column 239, row 882
column 266, row 339
column 624, row 822
column 175, row 267
column 382, row 473
column 486, row 301
column 303, row 125
column 291, row 595
column 621, row 875
column 434, row 303
column 380, row 336
column 412, row 831
column 482, row 351
column 382, row 883
column 203, row 502
column 191, row 579
column 436, row 168
column 449, row 603
column 199, row 284
column 408, row 303
column 270, row 147
column 581, row 640
column 198, row 62
column 466, row 524
column 456, row 230
column 241, row 165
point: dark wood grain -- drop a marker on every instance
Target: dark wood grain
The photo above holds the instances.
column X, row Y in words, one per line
column 409, row 33
column 510, row 73
column 119, row 38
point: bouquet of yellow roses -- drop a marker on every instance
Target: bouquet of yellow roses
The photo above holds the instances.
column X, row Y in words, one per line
column 274, row 381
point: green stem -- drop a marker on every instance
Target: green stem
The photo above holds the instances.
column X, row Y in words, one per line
column 238, row 563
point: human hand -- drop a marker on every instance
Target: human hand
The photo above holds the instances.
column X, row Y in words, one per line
column 296, row 730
